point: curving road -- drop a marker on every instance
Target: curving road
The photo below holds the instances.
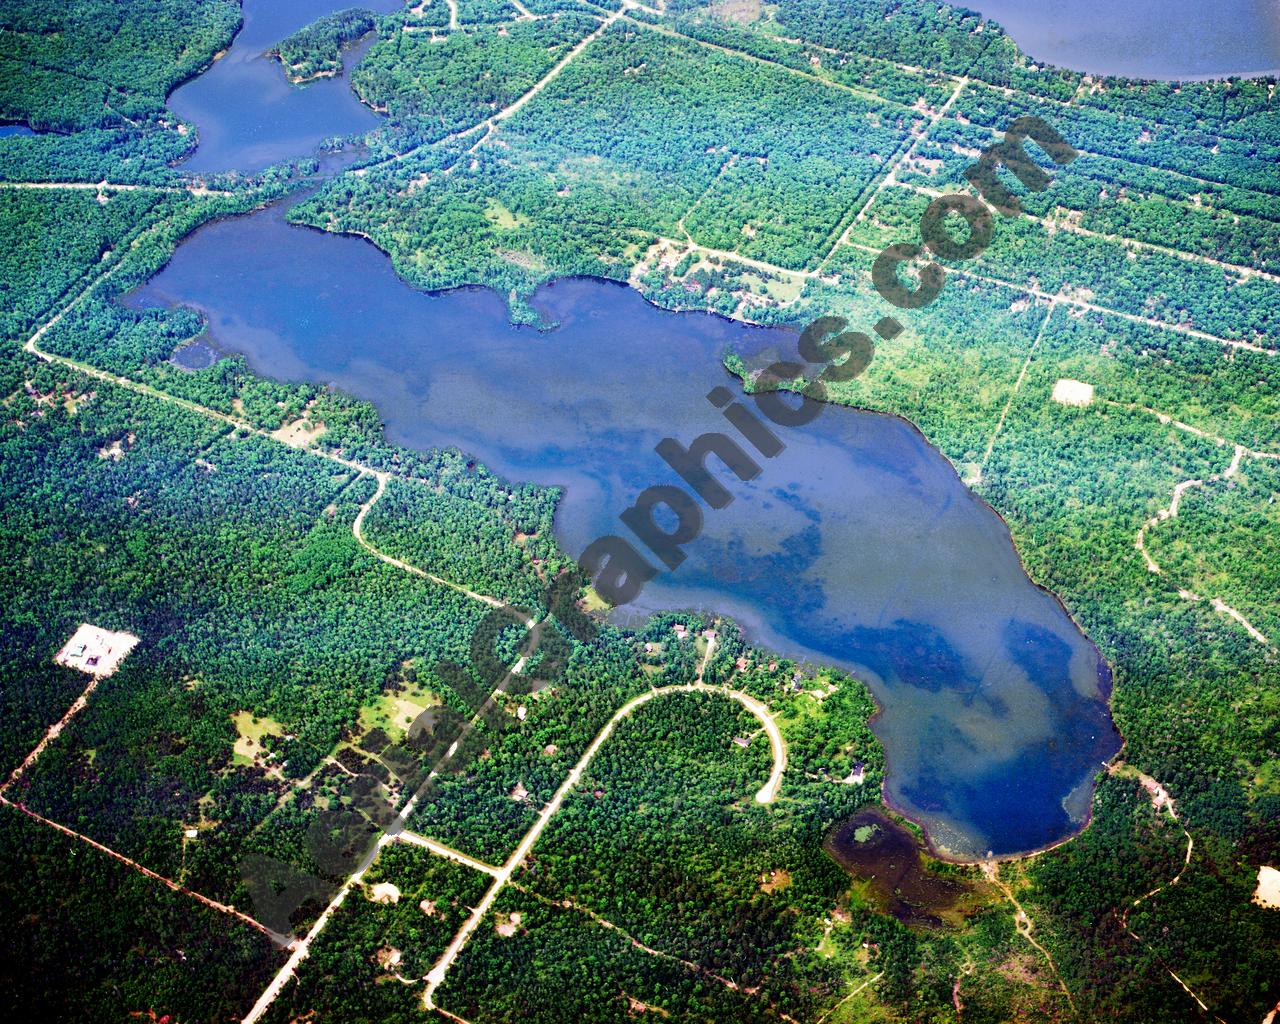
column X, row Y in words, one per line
column 767, row 794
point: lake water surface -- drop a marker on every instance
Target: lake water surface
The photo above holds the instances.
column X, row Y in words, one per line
column 249, row 115
column 857, row 545
column 1162, row 39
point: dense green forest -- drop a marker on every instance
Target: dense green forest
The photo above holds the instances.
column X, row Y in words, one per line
column 142, row 948
column 104, row 63
column 742, row 158
column 1226, row 541
column 371, row 944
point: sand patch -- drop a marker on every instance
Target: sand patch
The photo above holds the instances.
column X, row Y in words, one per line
column 113, row 451
column 95, row 650
column 388, row 957
column 1268, row 891
column 635, row 1007
column 384, row 892
column 508, row 924
column 299, row 433
column 407, row 712
column 856, row 777
column 1072, row 392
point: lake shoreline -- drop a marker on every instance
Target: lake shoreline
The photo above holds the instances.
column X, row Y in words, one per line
column 1070, row 37
column 921, row 820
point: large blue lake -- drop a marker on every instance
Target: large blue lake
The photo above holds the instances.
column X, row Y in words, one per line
column 1162, row 39
column 857, row 545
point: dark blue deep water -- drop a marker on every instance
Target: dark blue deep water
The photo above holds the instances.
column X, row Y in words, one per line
column 857, row 545
column 1162, row 39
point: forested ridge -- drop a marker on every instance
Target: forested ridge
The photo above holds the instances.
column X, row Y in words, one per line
column 746, row 159
column 104, row 63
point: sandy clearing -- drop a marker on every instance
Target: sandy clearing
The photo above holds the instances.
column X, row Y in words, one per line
column 299, row 433
column 388, row 957
column 508, row 924
column 1072, row 392
column 1268, row 892
column 384, row 892
column 250, row 732
column 95, row 650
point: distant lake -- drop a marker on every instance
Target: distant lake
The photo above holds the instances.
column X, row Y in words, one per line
column 1163, row 39
column 248, row 113
column 857, row 546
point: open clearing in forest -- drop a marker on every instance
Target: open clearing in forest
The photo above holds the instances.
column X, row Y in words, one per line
column 95, row 650
column 1268, row 891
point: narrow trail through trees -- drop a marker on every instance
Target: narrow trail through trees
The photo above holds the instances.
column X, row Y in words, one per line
column 1160, row 801
column 1239, row 454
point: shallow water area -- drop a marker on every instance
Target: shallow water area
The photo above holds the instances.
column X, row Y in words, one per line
column 195, row 356
column 248, row 113
column 857, row 545
column 887, row 857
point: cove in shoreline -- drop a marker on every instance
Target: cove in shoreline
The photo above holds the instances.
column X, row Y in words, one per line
column 249, row 115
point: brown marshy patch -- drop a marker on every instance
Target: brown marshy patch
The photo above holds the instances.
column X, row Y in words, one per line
column 894, row 872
